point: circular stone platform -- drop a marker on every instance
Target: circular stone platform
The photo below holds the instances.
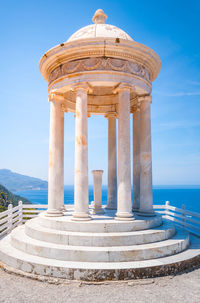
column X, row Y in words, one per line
column 100, row 249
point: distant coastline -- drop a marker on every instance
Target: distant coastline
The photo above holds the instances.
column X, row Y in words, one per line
column 36, row 191
column 17, row 182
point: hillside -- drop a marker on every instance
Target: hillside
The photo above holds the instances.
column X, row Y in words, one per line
column 17, row 182
column 6, row 197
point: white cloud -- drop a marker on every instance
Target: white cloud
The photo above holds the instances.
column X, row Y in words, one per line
column 177, row 94
column 183, row 124
column 194, row 82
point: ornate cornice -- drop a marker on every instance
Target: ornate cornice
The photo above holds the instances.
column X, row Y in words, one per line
column 102, row 63
column 100, row 47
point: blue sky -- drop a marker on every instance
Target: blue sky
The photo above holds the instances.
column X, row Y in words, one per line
column 29, row 28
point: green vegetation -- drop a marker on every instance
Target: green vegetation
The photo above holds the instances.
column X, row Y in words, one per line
column 6, row 197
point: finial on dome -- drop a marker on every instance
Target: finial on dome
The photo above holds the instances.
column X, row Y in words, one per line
column 99, row 17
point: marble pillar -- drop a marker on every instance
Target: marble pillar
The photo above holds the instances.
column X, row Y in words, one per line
column 63, row 208
column 124, row 207
column 97, row 204
column 56, row 160
column 136, row 159
column 112, row 162
column 81, row 207
column 146, row 196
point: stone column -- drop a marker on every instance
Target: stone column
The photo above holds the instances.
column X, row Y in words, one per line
column 136, row 159
column 97, row 177
column 81, row 207
column 56, row 159
column 124, row 207
column 146, row 196
column 112, row 162
column 62, row 136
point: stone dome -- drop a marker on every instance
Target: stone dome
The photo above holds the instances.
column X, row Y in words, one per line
column 99, row 29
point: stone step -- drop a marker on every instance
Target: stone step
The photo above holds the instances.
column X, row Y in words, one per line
column 35, row 231
column 100, row 224
column 176, row 244
column 91, row 271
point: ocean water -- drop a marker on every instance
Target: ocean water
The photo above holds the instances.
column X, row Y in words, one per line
column 188, row 195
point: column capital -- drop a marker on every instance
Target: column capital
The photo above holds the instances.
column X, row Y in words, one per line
column 146, row 98
column 54, row 96
column 64, row 108
column 135, row 108
column 89, row 115
column 84, row 86
column 110, row 115
column 97, row 172
column 123, row 87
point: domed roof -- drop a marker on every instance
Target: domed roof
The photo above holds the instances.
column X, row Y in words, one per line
column 99, row 29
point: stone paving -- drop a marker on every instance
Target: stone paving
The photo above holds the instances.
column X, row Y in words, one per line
column 182, row 288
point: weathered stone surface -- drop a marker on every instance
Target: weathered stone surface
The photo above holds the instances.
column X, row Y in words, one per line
column 38, row 232
column 97, row 185
column 81, row 201
column 176, row 244
column 136, row 158
column 99, row 224
column 97, row 64
column 56, row 160
column 112, row 162
column 99, row 271
column 124, row 207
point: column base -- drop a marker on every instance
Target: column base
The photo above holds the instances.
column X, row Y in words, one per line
column 135, row 210
column 124, row 216
column 63, row 208
column 81, row 217
column 97, row 211
column 146, row 214
column 111, row 207
column 54, row 213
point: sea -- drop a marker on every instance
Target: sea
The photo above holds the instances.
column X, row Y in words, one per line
column 176, row 195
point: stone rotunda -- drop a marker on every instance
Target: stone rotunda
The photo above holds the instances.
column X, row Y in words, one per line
column 100, row 70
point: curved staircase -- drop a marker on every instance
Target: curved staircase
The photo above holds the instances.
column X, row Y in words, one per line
column 100, row 249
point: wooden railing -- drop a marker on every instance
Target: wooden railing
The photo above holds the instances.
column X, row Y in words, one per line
column 32, row 210
column 186, row 219
column 18, row 215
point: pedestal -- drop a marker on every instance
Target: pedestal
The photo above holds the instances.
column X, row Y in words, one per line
column 97, row 203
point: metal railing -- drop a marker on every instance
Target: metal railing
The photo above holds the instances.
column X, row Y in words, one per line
column 18, row 215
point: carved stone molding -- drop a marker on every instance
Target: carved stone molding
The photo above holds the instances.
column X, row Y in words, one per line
column 135, row 108
column 101, row 63
column 147, row 98
column 54, row 96
column 110, row 115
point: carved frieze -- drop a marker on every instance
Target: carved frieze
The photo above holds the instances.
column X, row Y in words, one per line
column 101, row 63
